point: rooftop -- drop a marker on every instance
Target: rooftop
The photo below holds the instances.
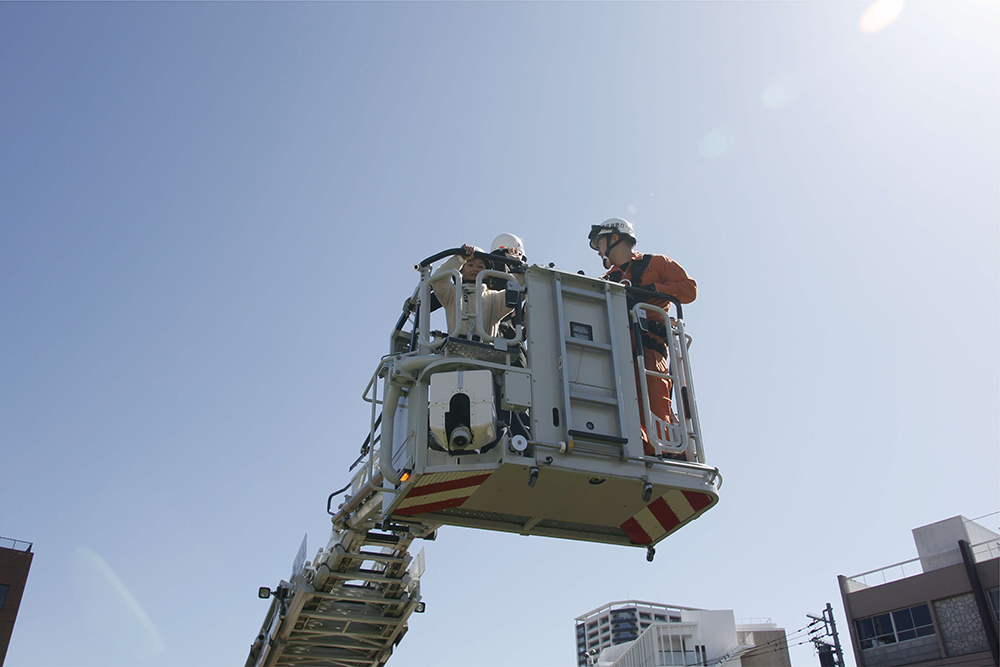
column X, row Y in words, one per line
column 937, row 547
column 16, row 545
column 620, row 604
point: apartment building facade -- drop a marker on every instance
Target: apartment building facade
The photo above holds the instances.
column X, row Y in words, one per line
column 634, row 633
column 939, row 609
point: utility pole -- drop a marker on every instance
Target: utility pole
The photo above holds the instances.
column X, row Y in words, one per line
column 829, row 656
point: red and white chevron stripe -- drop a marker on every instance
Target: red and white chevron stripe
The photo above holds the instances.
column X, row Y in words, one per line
column 440, row 491
column 662, row 516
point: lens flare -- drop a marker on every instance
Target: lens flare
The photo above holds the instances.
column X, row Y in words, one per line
column 124, row 623
column 780, row 91
column 715, row 143
column 880, row 14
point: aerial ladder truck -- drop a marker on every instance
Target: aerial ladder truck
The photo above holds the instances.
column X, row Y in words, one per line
column 535, row 431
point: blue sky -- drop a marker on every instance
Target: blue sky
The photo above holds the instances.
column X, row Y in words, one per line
column 208, row 221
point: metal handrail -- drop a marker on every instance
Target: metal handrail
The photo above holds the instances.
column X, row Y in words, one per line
column 757, row 620
column 681, row 343
column 990, row 547
column 451, row 274
column 16, row 545
column 653, row 294
column 517, row 265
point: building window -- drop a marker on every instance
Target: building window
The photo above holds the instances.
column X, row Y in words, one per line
column 660, row 617
column 993, row 594
column 897, row 626
column 675, row 619
column 3, row 594
column 644, row 617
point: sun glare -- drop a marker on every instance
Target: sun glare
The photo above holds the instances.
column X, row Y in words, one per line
column 715, row 143
column 880, row 14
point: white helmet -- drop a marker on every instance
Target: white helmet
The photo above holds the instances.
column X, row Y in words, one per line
column 508, row 244
column 618, row 226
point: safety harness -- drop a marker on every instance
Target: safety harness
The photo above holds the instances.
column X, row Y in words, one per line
column 653, row 333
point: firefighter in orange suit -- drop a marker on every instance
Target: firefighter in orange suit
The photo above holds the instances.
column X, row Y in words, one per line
column 614, row 241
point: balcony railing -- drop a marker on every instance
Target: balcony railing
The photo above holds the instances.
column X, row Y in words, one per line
column 16, row 545
column 909, row 568
column 754, row 621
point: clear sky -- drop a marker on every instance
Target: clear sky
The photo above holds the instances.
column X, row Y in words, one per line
column 209, row 215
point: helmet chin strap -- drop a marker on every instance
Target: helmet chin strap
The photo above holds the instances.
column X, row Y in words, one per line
column 607, row 251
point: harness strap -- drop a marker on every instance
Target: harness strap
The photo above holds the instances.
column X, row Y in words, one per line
column 639, row 267
column 653, row 343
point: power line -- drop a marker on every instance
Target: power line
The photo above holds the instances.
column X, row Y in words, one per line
column 781, row 643
column 985, row 515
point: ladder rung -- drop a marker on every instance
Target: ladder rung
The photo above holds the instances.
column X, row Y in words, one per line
column 371, row 619
column 586, row 294
column 382, row 558
column 371, row 636
column 592, row 398
column 588, row 344
column 366, row 595
column 368, row 575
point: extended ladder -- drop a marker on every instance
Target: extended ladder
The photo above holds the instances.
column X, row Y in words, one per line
column 350, row 607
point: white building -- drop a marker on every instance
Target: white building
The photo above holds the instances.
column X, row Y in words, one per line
column 633, row 633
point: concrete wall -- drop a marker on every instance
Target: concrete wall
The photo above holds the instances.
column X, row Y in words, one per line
column 937, row 543
column 904, row 653
column 960, row 625
column 716, row 630
column 776, row 658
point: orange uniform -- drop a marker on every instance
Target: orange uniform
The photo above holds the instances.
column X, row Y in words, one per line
column 664, row 275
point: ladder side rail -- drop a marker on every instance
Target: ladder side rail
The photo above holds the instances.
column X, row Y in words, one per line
column 283, row 615
column 289, row 619
column 678, row 379
column 374, row 424
column 426, row 282
column 615, row 362
column 259, row 653
column 563, row 362
column 408, row 307
column 370, row 395
column 639, row 359
column 369, row 466
column 691, row 404
column 677, row 435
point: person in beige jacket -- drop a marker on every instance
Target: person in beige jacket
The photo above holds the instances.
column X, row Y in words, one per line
column 494, row 301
